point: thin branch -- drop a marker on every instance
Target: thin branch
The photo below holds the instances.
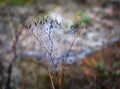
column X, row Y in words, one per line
column 36, row 38
column 51, row 50
column 52, row 83
column 67, row 55
column 40, row 42
column 49, row 35
column 47, row 60
column 14, row 49
column 48, row 66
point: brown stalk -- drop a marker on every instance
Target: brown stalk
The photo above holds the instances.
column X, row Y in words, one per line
column 67, row 55
column 52, row 83
column 14, row 49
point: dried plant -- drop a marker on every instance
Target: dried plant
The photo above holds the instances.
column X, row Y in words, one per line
column 16, row 34
column 46, row 31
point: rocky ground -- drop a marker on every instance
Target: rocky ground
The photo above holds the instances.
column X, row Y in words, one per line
column 103, row 30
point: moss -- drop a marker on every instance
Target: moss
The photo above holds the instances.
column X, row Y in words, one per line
column 105, row 74
column 16, row 2
column 99, row 65
column 114, row 73
column 116, row 65
column 84, row 19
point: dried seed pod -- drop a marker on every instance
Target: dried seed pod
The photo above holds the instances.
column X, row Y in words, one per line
column 51, row 22
column 51, row 26
column 29, row 26
column 56, row 21
column 35, row 23
column 47, row 17
column 40, row 22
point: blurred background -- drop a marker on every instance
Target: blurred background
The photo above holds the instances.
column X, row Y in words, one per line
column 94, row 60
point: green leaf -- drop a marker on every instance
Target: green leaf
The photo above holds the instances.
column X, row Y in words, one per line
column 84, row 19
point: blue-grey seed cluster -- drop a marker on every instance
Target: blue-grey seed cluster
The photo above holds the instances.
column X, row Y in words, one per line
column 46, row 23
